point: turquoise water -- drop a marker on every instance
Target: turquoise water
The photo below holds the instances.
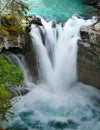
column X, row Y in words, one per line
column 57, row 9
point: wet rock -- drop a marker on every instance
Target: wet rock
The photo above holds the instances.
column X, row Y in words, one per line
column 89, row 56
column 17, row 91
column 33, row 20
column 37, row 21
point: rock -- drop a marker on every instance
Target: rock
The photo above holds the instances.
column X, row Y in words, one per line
column 30, row 20
column 19, row 41
column 17, row 91
column 89, row 57
column 97, row 27
column 90, row 36
column 37, row 21
column 33, row 20
column 16, row 43
column 85, row 44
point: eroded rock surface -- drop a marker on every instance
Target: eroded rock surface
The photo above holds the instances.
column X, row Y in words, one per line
column 89, row 55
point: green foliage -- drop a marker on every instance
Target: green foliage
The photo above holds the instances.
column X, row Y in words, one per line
column 5, row 103
column 9, row 75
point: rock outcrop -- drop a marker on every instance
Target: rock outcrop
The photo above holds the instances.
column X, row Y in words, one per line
column 20, row 41
column 89, row 55
column 89, row 50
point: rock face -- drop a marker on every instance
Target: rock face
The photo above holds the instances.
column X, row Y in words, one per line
column 6, row 44
column 31, row 20
column 89, row 50
column 89, row 56
column 19, row 41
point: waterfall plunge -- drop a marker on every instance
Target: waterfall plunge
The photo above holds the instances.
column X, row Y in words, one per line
column 56, row 50
column 58, row 103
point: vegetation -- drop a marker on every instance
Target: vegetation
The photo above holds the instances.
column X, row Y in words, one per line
column 10, row 75
column 5, row 104
column 11, row 14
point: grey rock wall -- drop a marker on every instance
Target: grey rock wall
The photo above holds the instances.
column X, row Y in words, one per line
column 89, row 56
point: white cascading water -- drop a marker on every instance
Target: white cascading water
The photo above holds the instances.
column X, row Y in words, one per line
column 60, row 102
column 63, row 51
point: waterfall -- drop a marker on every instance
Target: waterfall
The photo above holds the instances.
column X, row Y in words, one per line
column 56, row 50
column 59, row 101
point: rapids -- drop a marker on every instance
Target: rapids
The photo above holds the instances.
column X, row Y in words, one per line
column 59, row 101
